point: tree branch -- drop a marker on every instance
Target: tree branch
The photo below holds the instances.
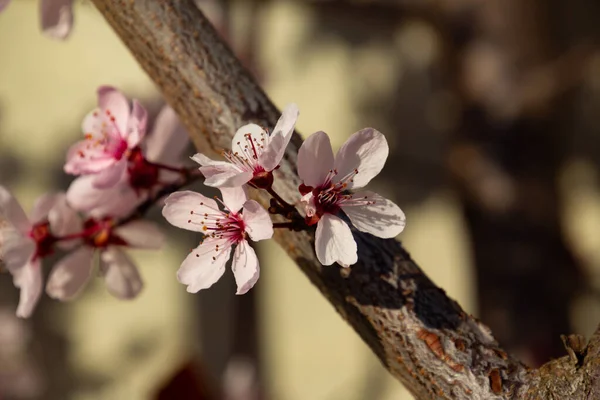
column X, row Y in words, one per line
column 420, row 335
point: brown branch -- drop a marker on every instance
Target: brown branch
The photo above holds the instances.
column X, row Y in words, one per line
column 420, row 335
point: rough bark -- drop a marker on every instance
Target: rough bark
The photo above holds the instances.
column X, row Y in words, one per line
column 420, row 335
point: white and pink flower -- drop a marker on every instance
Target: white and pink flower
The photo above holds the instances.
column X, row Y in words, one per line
column 71, row 274
column 325, row 189
column 56, row 17
column 24, row 242
column 111, row 132
column 223, row 230
column 253, row 156
column 164, row 145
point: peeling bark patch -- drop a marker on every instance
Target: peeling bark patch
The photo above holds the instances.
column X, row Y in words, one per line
column 460, row 345
column 435, row 345
column 495, row 381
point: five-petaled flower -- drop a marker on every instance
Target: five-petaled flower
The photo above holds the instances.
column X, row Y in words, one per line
column 111, row 132
column 164, row 145
column 253, row 156
column 24, row 242
column 325, row 189
column 223, row 229
column 70, row 275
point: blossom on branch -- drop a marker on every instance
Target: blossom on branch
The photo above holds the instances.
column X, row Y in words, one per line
column 25, row 241
column 56, row 17
column 112, row 131
column 325, row 189
column 163, row 146
column 222, row 229
column 70, row 275
column 253, row 156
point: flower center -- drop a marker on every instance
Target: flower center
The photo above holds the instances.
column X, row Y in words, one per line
column 44, row 239
column 330, row 196
column 99, row 233
column 142, row 174
column 247, row 160
column 106, row 139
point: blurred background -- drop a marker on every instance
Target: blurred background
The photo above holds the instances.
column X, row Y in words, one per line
column 491, row 111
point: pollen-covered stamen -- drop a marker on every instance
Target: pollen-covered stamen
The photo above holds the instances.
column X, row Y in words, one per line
column 247, row 159
column 213, row 248
column 105, row 140
column 218, row 224
column 332, row 194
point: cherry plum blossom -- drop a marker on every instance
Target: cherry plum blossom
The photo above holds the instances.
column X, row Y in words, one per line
column 223, row 229
column 253, row 156
column 112, row 131
column 164, row 145
column 325, row 189
column 71, row 274
column 24, row 241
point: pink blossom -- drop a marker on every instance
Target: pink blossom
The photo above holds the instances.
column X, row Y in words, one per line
column 164, row 145
column 24, row 242
column 70, row 275
column 111, row 131
column 56, row 17
column 223, row 229
column 253, row 155
column 326, row 181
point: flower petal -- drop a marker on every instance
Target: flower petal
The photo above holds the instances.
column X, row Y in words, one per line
column 315, row 159
column 221, row 173
column 334, row 242
column 245, row 267
column 117, row 201
column 16, row 249
column 257, row 220
column 28, row 278
column 234, row 198
column 70, row 275
column 110, row 176
column 205, row 161
column 56, row 18
column 41, row 207
column 224, row 175
column 136, row 125
column 168, row 139
column 280, row 137
column 366, row 150
column 120, row 274
column 85, row 159
column 204, row 265
column 112, row 101
column 381, row 217
column 141, row 234
column 63, row 219
column 12, row 212
column 186, row 209
column 242, row 144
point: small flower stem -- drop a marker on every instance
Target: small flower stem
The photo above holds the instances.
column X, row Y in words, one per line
column 281, row 201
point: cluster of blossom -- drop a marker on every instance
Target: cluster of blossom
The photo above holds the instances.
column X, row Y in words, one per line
column 121, row 169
